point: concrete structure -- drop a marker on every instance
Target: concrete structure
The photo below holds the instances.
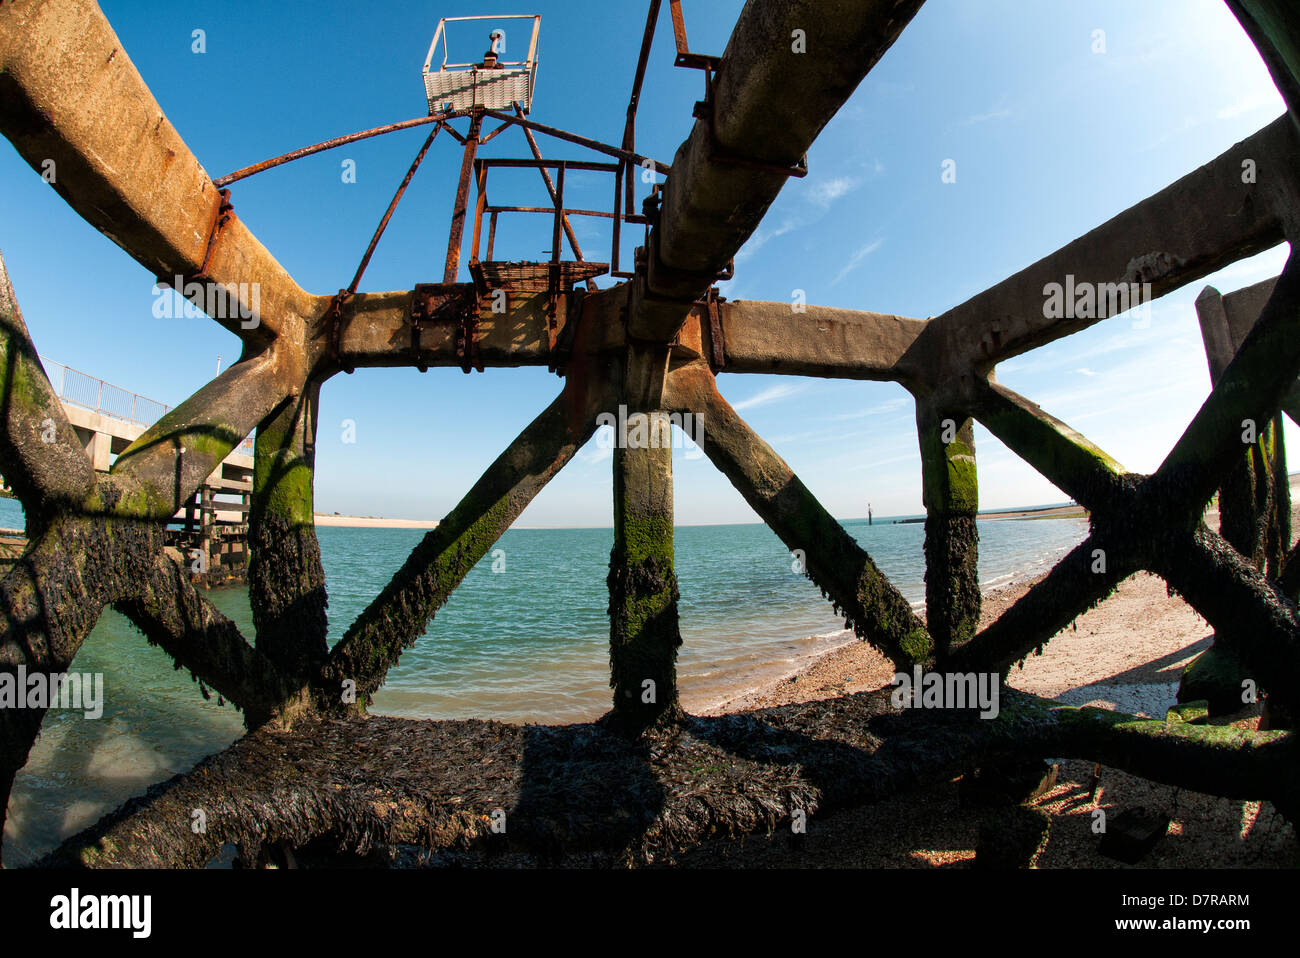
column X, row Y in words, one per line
column 211, row 529
column 655, row 343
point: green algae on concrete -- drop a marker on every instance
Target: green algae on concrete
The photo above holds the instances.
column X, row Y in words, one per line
column 643, row 593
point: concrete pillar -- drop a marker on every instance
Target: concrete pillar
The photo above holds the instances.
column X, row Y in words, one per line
column 644, row 634
column 286, row 582
column 950, row 492
column 100, row 449
column 1255, row 497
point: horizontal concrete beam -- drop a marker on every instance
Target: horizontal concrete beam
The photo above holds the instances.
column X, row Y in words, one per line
column 814, row 341
column 76, row 109
column 1195, row 226
column 377, row 332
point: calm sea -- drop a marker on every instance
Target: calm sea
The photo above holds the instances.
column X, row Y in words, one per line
column 525, row 643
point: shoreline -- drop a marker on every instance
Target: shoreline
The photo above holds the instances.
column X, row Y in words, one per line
column 860, row 666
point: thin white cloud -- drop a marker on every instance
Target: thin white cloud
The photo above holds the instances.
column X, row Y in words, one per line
column 856, row 259
column 1085, row 371
column 762, row 237
column 769, row 395
column 888, row 405
column 1001, row 114
column 826, row 192
column 600, row 449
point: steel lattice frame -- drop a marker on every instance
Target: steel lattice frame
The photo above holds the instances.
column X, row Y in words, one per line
column 69, row 92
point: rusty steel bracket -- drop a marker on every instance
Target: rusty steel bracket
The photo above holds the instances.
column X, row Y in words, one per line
column 447, row 304
column 552, row 307
column 220, row 217
column 712, row 303
column 225, row 209
column 704, row 111
column 685, row 58
column 334, row 317
column 658, row 274
column 562, row 348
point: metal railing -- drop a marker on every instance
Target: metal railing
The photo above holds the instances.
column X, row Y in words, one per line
column 82, row 389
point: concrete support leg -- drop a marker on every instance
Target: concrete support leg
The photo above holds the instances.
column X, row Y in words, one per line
column 286, row 582
column 643, row 631
column 950, row 495
column 1251, row 511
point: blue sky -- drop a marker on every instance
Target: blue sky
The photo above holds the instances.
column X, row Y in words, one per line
column 1050, row 139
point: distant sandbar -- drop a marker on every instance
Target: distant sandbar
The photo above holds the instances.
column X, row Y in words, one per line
column 371, row 522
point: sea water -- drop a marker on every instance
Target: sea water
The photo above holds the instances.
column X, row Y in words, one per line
column 524, row 639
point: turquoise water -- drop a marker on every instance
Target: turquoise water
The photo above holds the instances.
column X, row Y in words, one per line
column 526, row 643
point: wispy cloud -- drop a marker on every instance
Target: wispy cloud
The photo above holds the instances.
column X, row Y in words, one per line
column 769, row 395
column 889, row 405
column 1000, row 114
column 1085, row 371
column 856, row 260
column 825, row 192
column 762, row 237
column 600, row 448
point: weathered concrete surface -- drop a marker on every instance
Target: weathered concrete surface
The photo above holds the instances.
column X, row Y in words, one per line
column 815, row 340
column 643, row 631
column 174, row 616
column 1250, row 616
column 174, row 456
column 1255, row 496
column 1076, row 466
column 46, row 475
column 950, row 494
column 1251, row 388
column 377, row 332
column 69, row 93
column 286, row 581
column 1075, row 584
